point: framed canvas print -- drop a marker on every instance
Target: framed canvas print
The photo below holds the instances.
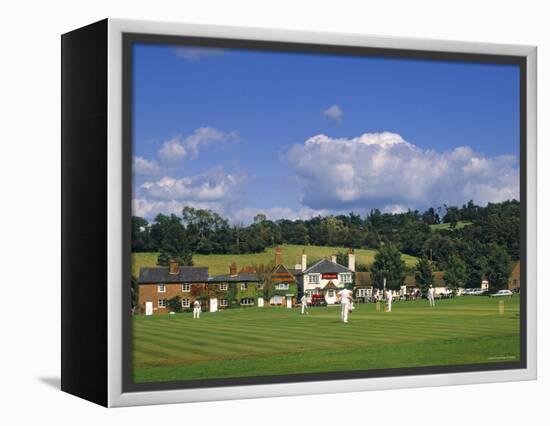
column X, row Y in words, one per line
column 253, row 213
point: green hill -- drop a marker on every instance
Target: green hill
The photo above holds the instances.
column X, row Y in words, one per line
column 219, row 263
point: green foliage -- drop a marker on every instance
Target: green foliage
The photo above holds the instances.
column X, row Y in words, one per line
column 424, row 274
column 141, row 239
column 250, row 291
column 206, row 232
column 498, row 267
column 174, row 304
column 342, row 258
column 175, row 244
column 388, row 264
column 456, row 273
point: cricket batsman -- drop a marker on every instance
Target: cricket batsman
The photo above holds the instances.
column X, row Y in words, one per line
column 196, row 309
column 345, row 301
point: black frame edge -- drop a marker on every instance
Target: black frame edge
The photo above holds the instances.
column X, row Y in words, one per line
column 84, row 212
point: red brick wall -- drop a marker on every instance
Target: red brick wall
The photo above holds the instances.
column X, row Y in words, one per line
column 149, row 292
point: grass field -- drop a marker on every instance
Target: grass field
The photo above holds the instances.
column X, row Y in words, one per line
column 440, row 226
column 219, row 263
column 274, row 341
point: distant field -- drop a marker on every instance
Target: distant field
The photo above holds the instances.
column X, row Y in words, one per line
column 441, row 226
column 219, row 263
column 274, row 341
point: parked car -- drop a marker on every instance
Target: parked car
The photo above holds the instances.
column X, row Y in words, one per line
column 478, row 291
column 318, row 300
column 502, row 293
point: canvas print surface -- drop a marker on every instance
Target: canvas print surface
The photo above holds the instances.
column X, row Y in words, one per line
column 299, row 212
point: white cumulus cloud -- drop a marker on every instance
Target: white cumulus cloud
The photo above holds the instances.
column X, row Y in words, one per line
column 383, row 170
column 143, row 167
column 178, row 148
column 172, row 151
column 213, row 185
column 215, row 189
column 334, row 113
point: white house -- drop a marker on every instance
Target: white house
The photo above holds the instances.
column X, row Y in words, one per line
column 327, row 277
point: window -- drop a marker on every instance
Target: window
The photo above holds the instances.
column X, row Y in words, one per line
column 185, row 303
column 186, row 287
column 244, row 286
column 330, row 293
column 277, row 300
column 247, row 301
column 314, row 279
column 282, row 286
column 223, row 287
column 162, row 288
column 346, row 278
column 223, row 302
column 162, row 303
column 362, row 292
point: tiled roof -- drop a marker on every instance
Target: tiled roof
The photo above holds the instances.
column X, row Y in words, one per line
column 161, row 275
column 325, row 266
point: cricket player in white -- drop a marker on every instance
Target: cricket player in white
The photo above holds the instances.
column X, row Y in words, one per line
column 345, row 301
column 431, row 298
column 389, row 298
column 303, row 300
column 196, row 310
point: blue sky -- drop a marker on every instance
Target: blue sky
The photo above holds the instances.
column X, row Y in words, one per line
column 293, row 135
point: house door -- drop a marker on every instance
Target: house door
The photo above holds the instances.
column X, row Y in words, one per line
column 289, row 302
column 260, row 302
column 213, row 305
column 148, row 308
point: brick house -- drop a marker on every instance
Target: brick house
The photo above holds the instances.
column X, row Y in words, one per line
column 158, row 285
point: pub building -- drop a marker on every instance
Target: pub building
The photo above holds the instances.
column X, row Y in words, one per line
column 327, row 277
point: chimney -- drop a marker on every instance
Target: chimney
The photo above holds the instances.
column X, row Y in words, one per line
column 351, row 260
column 304, row 260
column 233, row 269
column 333, row 258
column 174, row 267
column 278, row 256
